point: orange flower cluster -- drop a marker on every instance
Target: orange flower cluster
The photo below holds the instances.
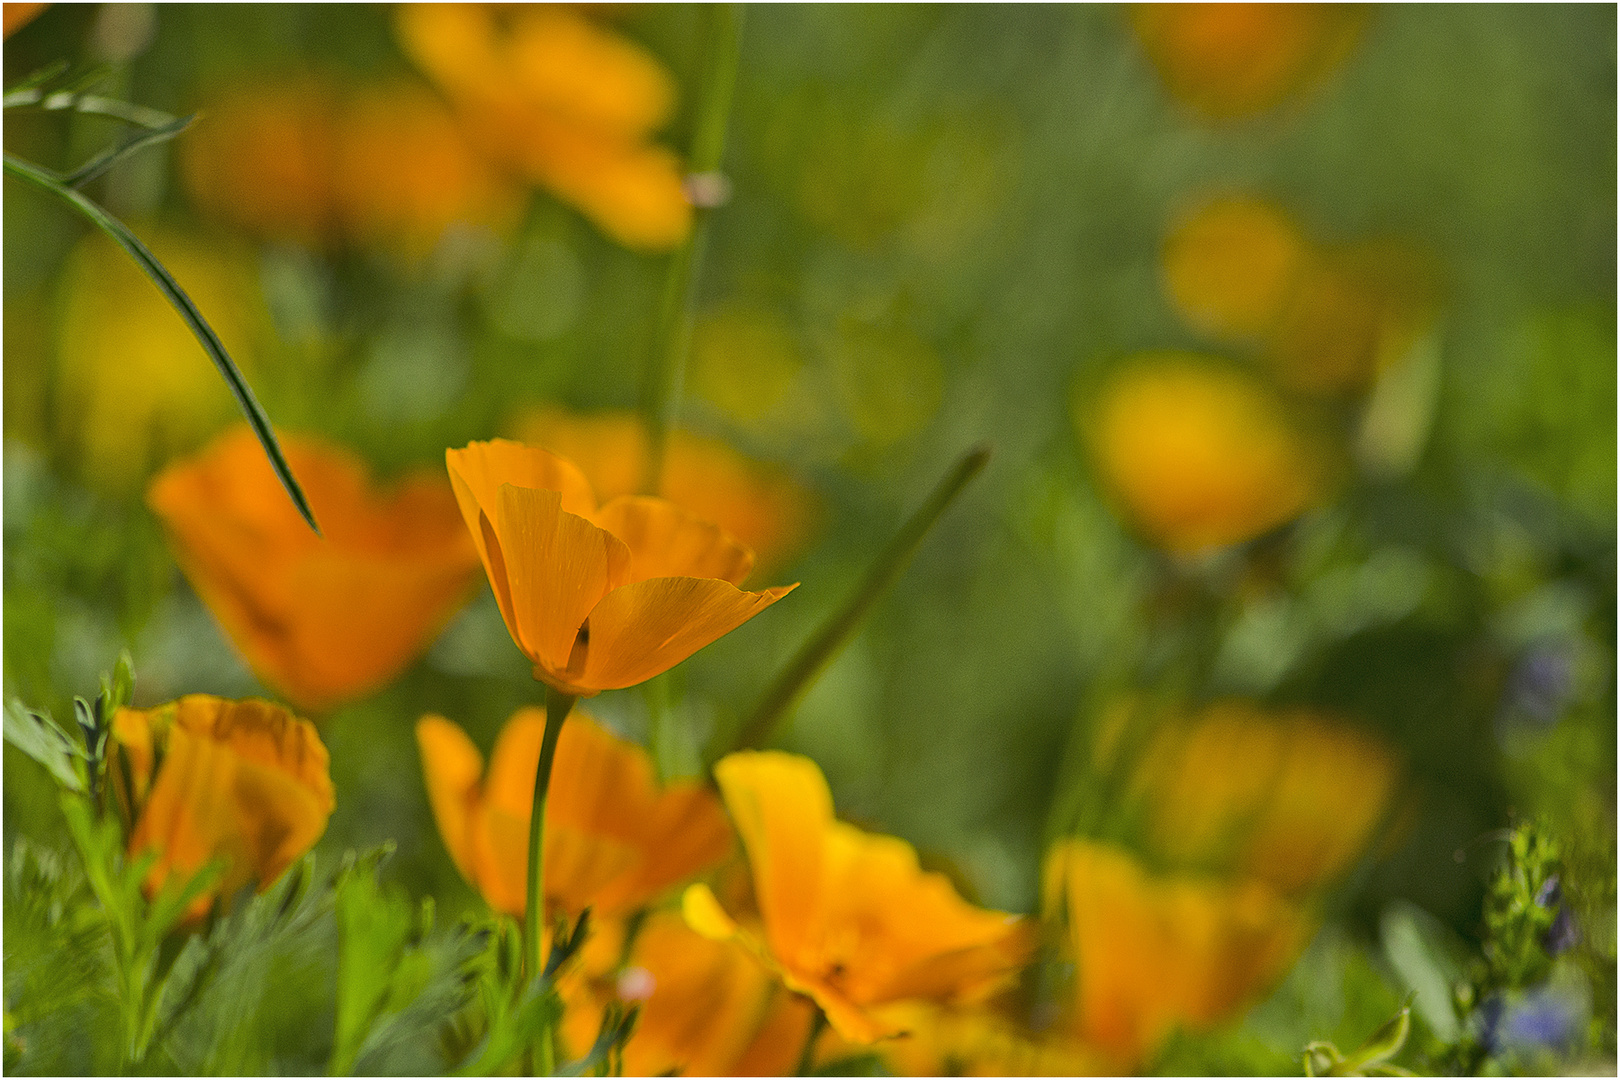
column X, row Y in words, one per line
column 597, row 598
column 244, row 782
column 312, row 163
column 563, row 103
column 323, row 619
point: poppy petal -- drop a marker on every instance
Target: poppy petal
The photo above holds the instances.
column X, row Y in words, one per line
column 667, row 541
column 452, row 767
column 648, row 627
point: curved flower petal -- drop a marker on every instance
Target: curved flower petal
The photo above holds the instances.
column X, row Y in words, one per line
column 666, row 541
column 648, row 627
column 453, row 768
column 558, row 566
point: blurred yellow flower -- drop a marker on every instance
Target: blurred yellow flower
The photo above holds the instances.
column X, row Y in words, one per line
column 134, row 386
column 848, row 917
column 1199, row 454
column 1155, row 953
column 761, row 505
column 308, row 162
column 563, row 103
column 1229, row 267
column 1225, row 61
column 242, row 781
column 614, row 839
column 708, row 1008
column 1291, row 798
column 1327, row 320
column 597, row 599
column 323, row 620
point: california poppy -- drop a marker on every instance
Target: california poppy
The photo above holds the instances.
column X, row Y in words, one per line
column 1225, row 61
column 758, row 504
column 242, row 781
column 973, row 1041
column 322, row 164
column 1155, row 952
column 848, row 917
column 1199, row 453
column 597, row 598
column 323, row 619
column 708, row 1008
column 564, row 103
column 614, row 839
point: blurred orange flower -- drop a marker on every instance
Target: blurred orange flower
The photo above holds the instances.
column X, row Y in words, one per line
column 1225, row 61
column 1230, row 266
column 565, row 104
column 977, row 1041
column 323, row 620
column 597, row 599
column 708, row 1008
column 848, row 917
column 242, row 781
column 1291, row 798
column 309, row 162
column 17, row 16
column 614, row 840
column 1155, row 953
column 758, row 504
column 1199, row 454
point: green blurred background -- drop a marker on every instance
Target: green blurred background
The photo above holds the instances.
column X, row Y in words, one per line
column 947, row 223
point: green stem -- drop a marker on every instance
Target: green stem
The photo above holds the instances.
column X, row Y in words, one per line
column 666, row 364
column 558, row 706
column 46, row 180
column 818, row 652
column 807, row 1056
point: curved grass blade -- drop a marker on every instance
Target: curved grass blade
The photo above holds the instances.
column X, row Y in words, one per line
column 105, row 160
column 44, row 75
column 824, row 645
column 45, row 180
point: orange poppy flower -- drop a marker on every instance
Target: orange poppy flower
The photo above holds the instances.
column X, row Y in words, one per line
column 565, row 104
column 758, row 504
column 1290, row 798
column 309, row 162
column 1225, row 61
column 977, row 1041
column 708, row 1008
column 321, row 620
column 848, row 917
column 614, row 840
column 243, row 781
column 1155, row 953
column 597, row 599
column 1230, row 266
column 1198, row 453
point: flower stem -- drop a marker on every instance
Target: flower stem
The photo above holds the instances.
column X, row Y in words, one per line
column 807, row 1056
column 816, row 653
column 666, row 365
column 558, row 706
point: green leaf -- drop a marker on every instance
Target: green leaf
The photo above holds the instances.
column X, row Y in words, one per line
column 48, row 181
column 38, row 736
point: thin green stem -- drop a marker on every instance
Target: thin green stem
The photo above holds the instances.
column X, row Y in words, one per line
column 666, row 364
column 46, row 180
column 807, row 1056
column 558, row 706
column 819, row 651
